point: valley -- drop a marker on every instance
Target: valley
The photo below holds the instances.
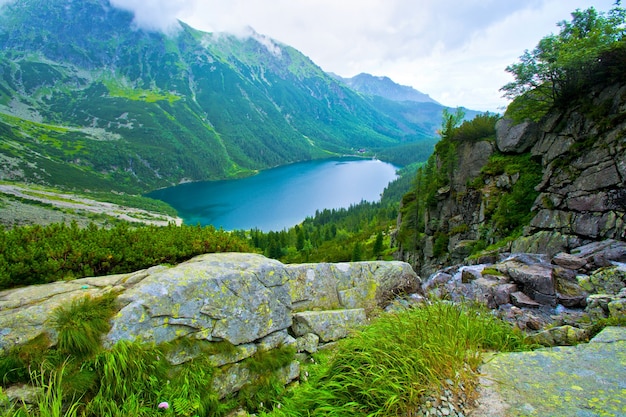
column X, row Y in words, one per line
column 494, row 234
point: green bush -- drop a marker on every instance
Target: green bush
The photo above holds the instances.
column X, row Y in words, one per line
column 36, row 255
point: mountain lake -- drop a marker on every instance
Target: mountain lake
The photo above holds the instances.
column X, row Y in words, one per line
column 281, row 197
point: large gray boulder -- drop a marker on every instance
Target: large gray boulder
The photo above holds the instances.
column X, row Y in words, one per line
column 515, row 138
column 569, row 381
column 235, row 297
column 244, row 300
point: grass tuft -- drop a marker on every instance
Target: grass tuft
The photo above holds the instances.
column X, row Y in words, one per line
column 81, row 325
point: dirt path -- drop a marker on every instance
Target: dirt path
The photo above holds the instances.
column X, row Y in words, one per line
column 71, row 202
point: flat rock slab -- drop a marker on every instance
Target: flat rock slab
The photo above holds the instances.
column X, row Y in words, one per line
column 573, row 381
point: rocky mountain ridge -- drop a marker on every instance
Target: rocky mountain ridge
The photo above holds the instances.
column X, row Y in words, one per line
column 384, row 87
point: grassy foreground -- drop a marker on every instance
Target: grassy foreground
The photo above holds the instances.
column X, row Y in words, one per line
column 386, row 368
column 391, row 366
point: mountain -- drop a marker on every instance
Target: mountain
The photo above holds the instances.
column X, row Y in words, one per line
column 91, row 102
column 405, row 104
column 384, row 87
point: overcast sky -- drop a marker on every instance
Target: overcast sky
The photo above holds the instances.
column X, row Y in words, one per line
column 454, row 50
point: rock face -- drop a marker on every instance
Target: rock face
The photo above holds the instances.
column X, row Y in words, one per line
column 587, row 379
column 581, row 155
column 246, row 300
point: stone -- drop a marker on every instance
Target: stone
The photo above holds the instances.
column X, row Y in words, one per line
column 240, row 298
column 515, row 138
column 469, row 274
column 471, row 157
column 598, row 306
column 609, row 280
column 483, row 291
column 308, row 343
column 328, row 325
column 234, row 377
column 535, row 279
column 602, row 252
column 549, row 242
column 348, row 285
column 437, row 279
column 502, row 293
column 568, row 291
column 560, row 336
column 598, row 176
column 569, row 261
column 617, row 308
column 567, row 381
column 519, row 299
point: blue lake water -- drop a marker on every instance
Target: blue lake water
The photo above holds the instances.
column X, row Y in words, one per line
column 281, row 197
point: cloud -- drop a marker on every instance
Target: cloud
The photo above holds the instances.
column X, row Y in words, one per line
column 154, row 15
column 454, row 51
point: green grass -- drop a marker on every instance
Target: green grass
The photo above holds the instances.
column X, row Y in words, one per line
column 389, row 367
column 81, row 325
column 51, row 401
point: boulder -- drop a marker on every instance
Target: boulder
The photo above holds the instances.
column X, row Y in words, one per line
column 533, row 277
column 308, row 343
column 435, row 280
column 568, row 261
column 502, row 293
column 235, row 297
column 515, row 138
column 602, row 253
column 561, row 336
column 609, row 280
column 328, row 325
column 521, row 300
column 568, row 381
column 348, row 285
column 237, row 303
column 598, row 306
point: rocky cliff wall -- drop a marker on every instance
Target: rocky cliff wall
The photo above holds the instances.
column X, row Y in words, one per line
column 583, row 190
column 573, row 161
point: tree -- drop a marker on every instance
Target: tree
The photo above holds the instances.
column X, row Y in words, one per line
column 561, row 64
column 378, row 244
column 357, row 252
column 450, row 121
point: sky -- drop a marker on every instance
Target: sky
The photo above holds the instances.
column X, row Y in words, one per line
column 456, row 51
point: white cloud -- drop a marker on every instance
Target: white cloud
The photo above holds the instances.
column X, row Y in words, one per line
column 157, row 15
column 454, row 51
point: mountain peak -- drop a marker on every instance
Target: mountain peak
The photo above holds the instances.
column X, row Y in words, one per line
column 385, row 87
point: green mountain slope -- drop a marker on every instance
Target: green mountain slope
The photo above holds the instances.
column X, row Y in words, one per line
column 91, row 102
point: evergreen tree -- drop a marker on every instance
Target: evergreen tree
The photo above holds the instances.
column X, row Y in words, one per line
column 378, row 244
column 357, row 252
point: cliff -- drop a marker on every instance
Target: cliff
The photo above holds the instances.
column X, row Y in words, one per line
column 540, row 187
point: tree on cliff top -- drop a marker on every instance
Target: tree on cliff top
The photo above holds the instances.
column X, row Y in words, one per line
column 563, row 64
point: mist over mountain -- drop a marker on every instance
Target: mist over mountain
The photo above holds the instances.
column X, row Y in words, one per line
column 89, row 100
